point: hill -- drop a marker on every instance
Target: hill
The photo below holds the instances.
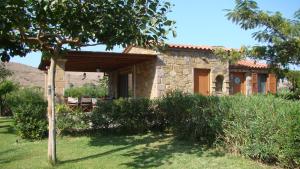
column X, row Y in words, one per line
column 30, row 76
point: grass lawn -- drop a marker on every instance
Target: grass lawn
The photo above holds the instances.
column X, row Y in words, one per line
column 109, row 152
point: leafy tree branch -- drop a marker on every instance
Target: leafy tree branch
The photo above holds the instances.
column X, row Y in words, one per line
column 278, row 37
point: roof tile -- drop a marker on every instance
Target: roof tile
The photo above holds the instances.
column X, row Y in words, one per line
column 250, row 64
column 196, row 47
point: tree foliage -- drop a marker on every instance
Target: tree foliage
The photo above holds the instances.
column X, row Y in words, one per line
column 6, row 87
column 52, row 26
column 55, row 26
column 4, row 72
column 278, row 37
column 294, row 78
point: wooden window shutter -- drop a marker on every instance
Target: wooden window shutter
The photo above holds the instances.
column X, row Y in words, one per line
column 254, row 83
column 272, row 83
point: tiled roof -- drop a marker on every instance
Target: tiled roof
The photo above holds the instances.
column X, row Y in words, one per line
column 182, row 46
column 196, row 47
column 250, row 64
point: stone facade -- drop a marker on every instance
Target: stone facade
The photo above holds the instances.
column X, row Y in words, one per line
column 60, row 80
column 143, row 80
column 174, row 70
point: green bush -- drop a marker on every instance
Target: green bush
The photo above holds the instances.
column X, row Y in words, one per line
column 293, row 77
column 68, row 120
column 194, row 117
column 89, row 90
column 29, row 112
column 128, row 115
column 289, row 95
column 264, row 128
column 6, row 87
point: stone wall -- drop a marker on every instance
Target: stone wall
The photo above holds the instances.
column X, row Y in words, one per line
column 60, row 80
column 144, row 82
column 145, row 75
column 248, row 83
column 145, row 79
column 174, row 69
column 177, row 70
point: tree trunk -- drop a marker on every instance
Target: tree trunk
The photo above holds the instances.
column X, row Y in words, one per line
column 51, row 113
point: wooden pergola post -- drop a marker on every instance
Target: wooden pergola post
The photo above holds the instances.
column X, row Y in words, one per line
column 46, row 83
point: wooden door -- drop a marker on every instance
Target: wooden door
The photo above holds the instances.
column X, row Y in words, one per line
column 254, row 83
column 272, row 83
column 201, row 81
column 238, row 82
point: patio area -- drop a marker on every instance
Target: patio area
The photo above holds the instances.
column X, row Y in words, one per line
column 120, row 68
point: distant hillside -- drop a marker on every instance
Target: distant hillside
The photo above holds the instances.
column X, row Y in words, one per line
column 30, row 76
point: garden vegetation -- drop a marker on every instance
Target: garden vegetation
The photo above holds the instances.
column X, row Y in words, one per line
column 265, row 128
column 29, row 112
column 89, row 90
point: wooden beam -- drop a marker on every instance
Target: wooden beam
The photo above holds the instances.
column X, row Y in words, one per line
column 86, row 61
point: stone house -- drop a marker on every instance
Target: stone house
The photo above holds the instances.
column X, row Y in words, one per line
column 249, row 77
column 186, row 68
column 139, row 72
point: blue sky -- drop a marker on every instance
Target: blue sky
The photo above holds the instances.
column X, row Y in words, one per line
column 203, row 22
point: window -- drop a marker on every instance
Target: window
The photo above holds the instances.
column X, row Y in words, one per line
column 219, row 83
column 262, row 81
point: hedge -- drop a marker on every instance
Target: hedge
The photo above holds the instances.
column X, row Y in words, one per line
column 127, row 115
column 70, row 120
column 261, row 127
column 264, row 128
column 30, row 113
column 192, row 117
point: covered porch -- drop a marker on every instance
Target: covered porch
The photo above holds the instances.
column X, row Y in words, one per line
column 129, row 75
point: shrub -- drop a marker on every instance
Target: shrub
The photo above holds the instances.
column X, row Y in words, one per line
column 29, row 112
column 263, row 127
column 6, row 87
column 194, row 117
column 128, row 115
column 89, row 90
column 294, row 78
column 289, row 95
column 70, row 119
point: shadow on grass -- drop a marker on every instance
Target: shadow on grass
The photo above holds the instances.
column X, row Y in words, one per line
column 93, row 156
column 160, row 151
column 6, row 120
column 146, row 151
column 4, row 126
column 7, row 129
column 4, row 154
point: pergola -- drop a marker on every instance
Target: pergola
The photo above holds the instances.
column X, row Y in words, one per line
column 87, row 61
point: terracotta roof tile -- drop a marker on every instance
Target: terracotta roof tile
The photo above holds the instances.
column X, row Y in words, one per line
column 250, row 64
column 196, row 47
column 183, row 46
